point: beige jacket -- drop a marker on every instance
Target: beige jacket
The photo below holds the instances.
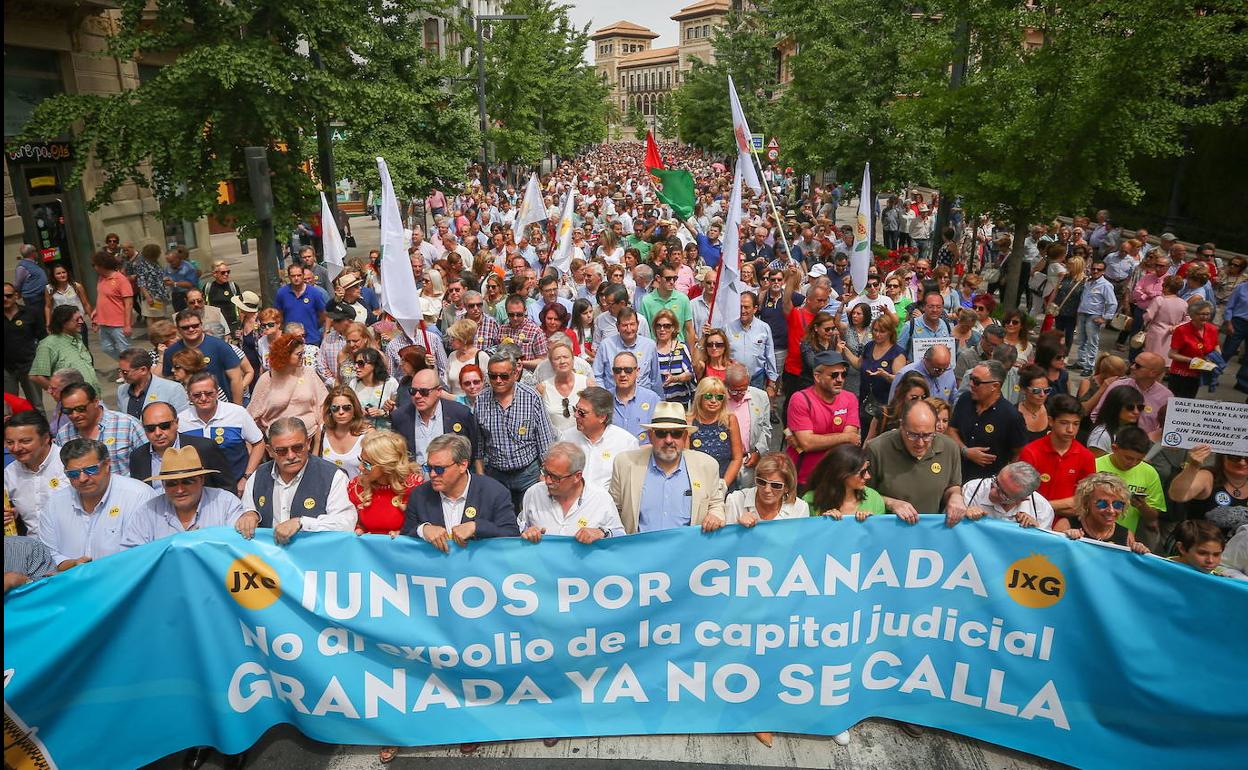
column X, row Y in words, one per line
column 629, row 474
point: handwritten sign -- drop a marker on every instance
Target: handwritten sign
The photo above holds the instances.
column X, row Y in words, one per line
column 921, row 345
column 1222, row 425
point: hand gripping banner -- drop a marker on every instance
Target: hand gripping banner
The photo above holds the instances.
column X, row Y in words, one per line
column 1076, row 652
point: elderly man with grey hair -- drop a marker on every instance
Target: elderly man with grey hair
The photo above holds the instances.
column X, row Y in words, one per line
column 517, row 427
column 295, row 491
column 989, row 429
column 564, row 504
column 752, row 408
column 601, row 441
column 1011, row 494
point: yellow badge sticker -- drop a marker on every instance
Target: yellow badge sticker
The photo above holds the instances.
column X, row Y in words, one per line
column 110, row 441
column 936, row 467
column 697, row 442
column 457, row 428
column 338, row 463
column 989, row 428
column 227, row 293
column 645, row 407
column 1147, row 408
column 114, row 512
column 306, row 300
column 508, row 341
column 606, row 455
column 396, row 501
column 207, row 359
column 522, row 430
column 18, row 322
column 152, row 397
column 220, row 431
column 837, row 420
column 723, row 436
column 883, row 364
column 309, row 503
column 54, row 483
column 470, row 512
column 582, row 522
column 220, row 439
column 697, row 485
column 1044, row 477
column 260, row 502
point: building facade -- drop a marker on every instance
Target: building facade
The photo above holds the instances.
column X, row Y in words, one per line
column 639, row 75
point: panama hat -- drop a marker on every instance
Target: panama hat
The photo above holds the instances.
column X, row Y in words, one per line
column 180, row 463
column 248, row 302
column 668, row 415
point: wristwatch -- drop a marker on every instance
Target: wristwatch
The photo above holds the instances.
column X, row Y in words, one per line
column 605, row 532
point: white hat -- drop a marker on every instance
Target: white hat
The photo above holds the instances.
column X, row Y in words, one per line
column 668, row 415
column 819, row 270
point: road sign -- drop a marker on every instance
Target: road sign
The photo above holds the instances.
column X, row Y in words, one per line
column 773, row 154
column 773, row 144
column 756, row 142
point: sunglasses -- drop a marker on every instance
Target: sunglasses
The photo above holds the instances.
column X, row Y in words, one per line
column 665, row 326
column 713, row 396
column 472, row 383
column 1101, row 505
column 566, row 411
column 471, row 305
column 981, row 309
column 863, row 472
column 1133, row 407
column 516, row 315
column 166, row 425
column 975, row 381
column 172, row 483
column 435, row 470
column 223, row 272
column 662, row 433
column 623, row 369
column 90, row 470
column 768, row 484
column 366, row 465
column 894, row 286
column 715, row 344
column 81, row 409
column 667, row 278
column 340, row 408
column 202, row 396
column 268, row 326
column 424, row 391
column 361, row 362
column 1037, row 391
column 282, row 451
column 9, row 295
column 582, row 413
column 193, row 327
column 497, row 377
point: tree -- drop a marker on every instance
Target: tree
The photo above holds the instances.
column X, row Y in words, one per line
column 743, row 49
column 665, row 111
column 851, row 62
column 1059, row 98
column 541, row 95
column 241, row 75
column 637, row 122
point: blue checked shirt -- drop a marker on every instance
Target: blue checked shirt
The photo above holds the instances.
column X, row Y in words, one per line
column 518, row 435
column 120, row 432
column 1098, row 299
column 753, row 347
column 648, row 374
column 156, row 518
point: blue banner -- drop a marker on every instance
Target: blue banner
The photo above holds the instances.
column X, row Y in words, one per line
column 1083, row 654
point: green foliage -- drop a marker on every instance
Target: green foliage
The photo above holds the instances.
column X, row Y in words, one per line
column 665, row 110
column 541, row 96
column 240, row 75
column 743, row 49
column 637, row 122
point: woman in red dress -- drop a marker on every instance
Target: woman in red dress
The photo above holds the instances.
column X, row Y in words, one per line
column 387, row 477
column 1195, row 339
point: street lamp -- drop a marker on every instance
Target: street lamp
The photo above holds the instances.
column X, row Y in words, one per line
column 481, row 22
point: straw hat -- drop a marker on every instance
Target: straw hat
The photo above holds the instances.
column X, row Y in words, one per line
column 668, row 415
column 248, row 302
column 180, row 463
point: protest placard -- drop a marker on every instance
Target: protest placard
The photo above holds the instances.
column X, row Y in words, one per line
column 921, row 345
column 1222, row 425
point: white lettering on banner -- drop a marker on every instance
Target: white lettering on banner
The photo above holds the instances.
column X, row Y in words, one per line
column 922, row 344
column 1223, row 425
column 753, row 576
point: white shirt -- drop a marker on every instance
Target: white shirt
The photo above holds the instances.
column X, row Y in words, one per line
column 976, row 493
column 339, row 515
column 452, row 510
column 600, row 455
column 72, row 532
column 424, row 432
column 28, row 490
column 742, row 501
column 594, row 509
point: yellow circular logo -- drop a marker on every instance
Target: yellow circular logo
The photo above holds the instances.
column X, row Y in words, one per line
column 470, row 512
column 582, row 522
column 1035, row 582
column 114, row 512
column 989, row 428
column 936, row 467
column 1045, row 478
column 18, row 322
column 260, row 502
column 457, row 427
column 220, row 439
column 645, row 407
column 309, row 503
column 110, row 441
column 252, row 583
column 837, row 421
column 697, row 442
column 54, row 483
column 723, row 436
column 207, row 359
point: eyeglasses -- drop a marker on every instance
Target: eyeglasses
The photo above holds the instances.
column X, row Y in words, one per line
column 768, row 484
column 362, row 362
column 472, row 305
column 204, row 396
column 435, row 470
column 80, row 409
column 223, row 271
column 1037, row 391
column 713, row 396
column 1013, row 322
column 340, row 408
column 922, row 438
column 662, row 433
column 582, row 413
column 166, row 425
column 193, row 327
column 366, row 465
column 1101, row 505
column 515, row 315
column 174, row 483
column 90, row 470
column 623, row 369
column 715, row 344
column 555, row 477
column 282, row 451
column 981, row 309
column 665, row 325
column 499, row 377
column 1004, row 497
column 268, row 326
column 893, row 286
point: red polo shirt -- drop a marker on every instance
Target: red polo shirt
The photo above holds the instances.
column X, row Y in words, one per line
column 1058, row 473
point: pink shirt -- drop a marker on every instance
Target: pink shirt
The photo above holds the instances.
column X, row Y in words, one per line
column 112, row 300
column 1154, row 399
column 1147, row 289
column 807, row 411
column 742, row 413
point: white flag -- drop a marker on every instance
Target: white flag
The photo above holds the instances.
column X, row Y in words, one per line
column 727, row 302
column 860, row 258
column 562, row 258
column 532, row 209
column 742, row 131
column 399, row 295
column 331, row 240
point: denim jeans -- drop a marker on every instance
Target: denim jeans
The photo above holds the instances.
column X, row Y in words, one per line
column 1239, row 333
column 517, row 481
column 113, row 341
column 1088, row 338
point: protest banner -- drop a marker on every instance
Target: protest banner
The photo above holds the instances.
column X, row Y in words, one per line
column 923, row 344
column 1223, row 425
column 1074, row 651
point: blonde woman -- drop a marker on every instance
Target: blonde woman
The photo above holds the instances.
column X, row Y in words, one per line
column 1100, row 500
column 386, row 476
column 464, row 351
column 345, row 427
column 559, row 391
column 716, row 431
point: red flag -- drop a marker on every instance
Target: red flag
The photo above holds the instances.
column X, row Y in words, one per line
column 653, row 158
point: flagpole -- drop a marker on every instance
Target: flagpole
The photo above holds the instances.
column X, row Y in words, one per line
column 779, row 219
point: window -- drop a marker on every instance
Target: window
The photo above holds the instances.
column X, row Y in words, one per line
column 432, row 35
column 669, row 78
column 30, row 76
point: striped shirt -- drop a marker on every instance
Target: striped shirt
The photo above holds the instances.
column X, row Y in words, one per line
column 517, row 435
column 28, row 556
column 120, row 432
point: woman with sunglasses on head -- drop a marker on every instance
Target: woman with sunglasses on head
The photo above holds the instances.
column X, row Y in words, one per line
column 345, row 428
column 1099, row 500
column 675, row 360
column 712, row 355
column 559, row 392
column 716, row 431
column 1035, row 387
column 381, row 482
column 1121, row 407
column 1203, row 487
column 841, row 485
column 373, row 385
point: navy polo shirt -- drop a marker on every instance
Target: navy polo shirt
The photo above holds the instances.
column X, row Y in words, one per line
column 999, row 429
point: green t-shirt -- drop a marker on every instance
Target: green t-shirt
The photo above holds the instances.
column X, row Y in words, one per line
column 641, row 245
column 678, row 303
column 874, row 504
column 1141, row 480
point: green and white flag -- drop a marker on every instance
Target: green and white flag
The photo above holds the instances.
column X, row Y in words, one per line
column 675, row 188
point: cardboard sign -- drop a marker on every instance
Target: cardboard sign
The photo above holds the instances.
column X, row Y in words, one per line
column 921, row 345
column 1222, row 425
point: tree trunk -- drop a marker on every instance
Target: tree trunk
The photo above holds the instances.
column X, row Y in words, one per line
column 1014, row 263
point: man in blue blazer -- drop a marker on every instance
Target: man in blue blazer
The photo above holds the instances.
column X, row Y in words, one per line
column 426, row 415
column 455, row 504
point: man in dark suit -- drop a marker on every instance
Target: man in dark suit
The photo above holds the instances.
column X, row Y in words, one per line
column 455, row 504
column 160, row 423
column 427, row 415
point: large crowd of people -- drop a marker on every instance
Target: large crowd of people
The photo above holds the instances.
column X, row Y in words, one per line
column 611, row 398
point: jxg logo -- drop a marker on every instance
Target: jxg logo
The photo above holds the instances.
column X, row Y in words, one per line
column 252, row 583
column 1035, row 582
